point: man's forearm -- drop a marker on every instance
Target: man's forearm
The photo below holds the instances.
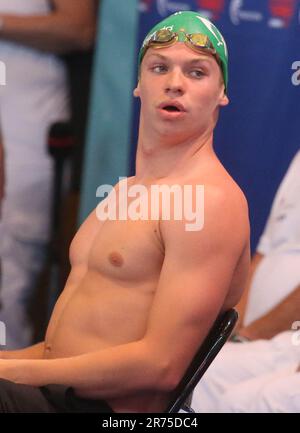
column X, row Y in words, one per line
column 110, row 373
column 277, row 320
column 33, row 352
column 52, row 32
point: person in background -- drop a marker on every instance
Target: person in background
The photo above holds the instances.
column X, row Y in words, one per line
column 1, row 170
column 33, row 35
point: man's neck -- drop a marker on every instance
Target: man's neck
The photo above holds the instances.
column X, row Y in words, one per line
column 159, row 157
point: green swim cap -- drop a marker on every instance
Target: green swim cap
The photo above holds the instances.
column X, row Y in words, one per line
column 188, row 22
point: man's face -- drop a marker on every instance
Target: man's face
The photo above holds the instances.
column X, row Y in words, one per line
column 180, row 91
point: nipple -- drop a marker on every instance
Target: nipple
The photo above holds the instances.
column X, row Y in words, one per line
column 116, row 259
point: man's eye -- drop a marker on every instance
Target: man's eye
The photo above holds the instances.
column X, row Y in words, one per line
column 159, row 68
column 197, row 73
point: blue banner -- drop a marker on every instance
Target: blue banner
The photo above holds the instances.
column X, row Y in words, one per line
column 258, row 132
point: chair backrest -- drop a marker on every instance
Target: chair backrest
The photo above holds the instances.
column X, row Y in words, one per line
column 216, row 338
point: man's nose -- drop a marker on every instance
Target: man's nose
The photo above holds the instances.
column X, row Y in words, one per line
column 175, row 82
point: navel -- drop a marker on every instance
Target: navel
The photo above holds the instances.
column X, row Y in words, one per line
column 116, row 259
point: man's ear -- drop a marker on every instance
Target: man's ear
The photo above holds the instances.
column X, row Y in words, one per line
column 136, row 92
column 223, row 99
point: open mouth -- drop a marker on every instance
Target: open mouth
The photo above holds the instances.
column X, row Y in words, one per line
column 171, row 109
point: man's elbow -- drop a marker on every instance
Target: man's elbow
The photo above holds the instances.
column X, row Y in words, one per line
column 171, row 380
column 168, row 376
column 161, row 370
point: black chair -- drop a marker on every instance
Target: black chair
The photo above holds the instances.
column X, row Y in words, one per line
column 213, row 343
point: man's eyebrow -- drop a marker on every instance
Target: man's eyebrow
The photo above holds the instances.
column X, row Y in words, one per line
column 200, row 59
column 158, row 55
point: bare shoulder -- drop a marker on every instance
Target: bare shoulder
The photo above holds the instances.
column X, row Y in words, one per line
column 224, row 206
column 224, row 218
column 228, row 229
column 227, row 209
column 227, row 224
column 219, row 250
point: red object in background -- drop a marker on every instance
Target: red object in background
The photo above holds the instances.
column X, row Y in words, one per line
column 148, row 4
column 282, row 8
column 212, row 5
column 215, row 6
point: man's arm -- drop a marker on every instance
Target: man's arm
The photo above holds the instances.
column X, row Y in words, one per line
column 70, row 26
column 279, row 319
column 33, row 352
column 192, row 290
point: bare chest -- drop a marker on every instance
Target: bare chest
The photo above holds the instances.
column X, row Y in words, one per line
column 123, row 250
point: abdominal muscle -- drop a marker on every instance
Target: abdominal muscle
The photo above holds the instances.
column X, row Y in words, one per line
column 96, row 314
